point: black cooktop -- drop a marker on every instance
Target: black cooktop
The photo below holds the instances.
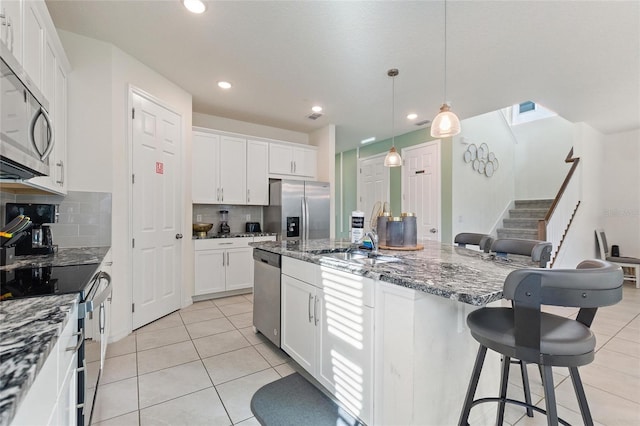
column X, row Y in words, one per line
column 46, row 280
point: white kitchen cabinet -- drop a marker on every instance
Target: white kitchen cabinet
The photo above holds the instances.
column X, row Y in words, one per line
column 292, row 160
column 218, row 169
column 327, row 328
column 257, row 173
column 11, row 26
column 33, row 42
column 51, row 399
column 223, row 264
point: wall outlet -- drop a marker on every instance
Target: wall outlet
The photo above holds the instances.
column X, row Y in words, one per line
column 198, row 218
column 247, row 217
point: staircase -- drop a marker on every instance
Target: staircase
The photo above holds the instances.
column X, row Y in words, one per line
column 523, row 219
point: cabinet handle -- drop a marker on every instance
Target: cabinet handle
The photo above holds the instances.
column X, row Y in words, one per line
column 75, row 348
column 309, row 306
column 295, row 167
column 315, row 310
column 248, row 195
column 222, row 194
column 291, row 166
column 222, row 259
column 61, row 165
column 218, row 194
column 227, row 258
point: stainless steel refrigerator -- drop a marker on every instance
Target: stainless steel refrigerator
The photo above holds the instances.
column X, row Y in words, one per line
column 298, row 209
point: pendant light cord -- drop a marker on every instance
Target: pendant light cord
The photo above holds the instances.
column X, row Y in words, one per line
column 393, row 110
column 445, row 51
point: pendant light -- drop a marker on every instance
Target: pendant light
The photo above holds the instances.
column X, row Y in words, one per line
column 446, row 123
column 393, row 159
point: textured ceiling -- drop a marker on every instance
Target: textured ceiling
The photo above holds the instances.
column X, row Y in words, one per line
column 578, row 58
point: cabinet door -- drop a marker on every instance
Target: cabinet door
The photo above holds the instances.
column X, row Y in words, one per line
column 304, row 162
column 233, row 170
column 33, row 49
column 257, row 173
column 11, row 26
column 205, row 186
column 209, row 271
column 66, row 408
column 345, row 350
column 298, row 328
column 60, row 148
column 239, row 270
column 280, row 159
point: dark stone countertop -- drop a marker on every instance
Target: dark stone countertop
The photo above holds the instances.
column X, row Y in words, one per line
column 30, row 327
column 444, row 270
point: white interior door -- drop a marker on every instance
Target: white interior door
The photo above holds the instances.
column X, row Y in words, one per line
column 421, row 188
column 373, row 185
column 156, row 210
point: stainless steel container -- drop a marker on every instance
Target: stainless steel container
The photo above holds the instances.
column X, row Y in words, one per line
column 381, row 228
column 395, row 232
column 410, row 230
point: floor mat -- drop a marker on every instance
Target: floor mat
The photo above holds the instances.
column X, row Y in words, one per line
column 292, row 400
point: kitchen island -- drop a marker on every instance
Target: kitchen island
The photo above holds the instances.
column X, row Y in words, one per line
column 391, row 340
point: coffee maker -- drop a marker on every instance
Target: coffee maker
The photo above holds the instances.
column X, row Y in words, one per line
column 38, row 238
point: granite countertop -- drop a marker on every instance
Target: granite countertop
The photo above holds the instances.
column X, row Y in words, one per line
column 30, row 327
column 440, row 269
column 236, row 235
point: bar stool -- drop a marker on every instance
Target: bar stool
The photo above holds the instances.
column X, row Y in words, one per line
column 526, row 333
column 540, row 251
column 483, row 241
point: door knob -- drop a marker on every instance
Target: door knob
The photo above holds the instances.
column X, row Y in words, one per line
column 178, row 236
column 433, row 230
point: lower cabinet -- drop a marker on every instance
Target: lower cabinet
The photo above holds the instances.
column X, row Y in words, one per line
column 223, row 264
column 327, row 328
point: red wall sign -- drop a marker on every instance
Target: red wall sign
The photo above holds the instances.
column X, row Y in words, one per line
column 159, row 167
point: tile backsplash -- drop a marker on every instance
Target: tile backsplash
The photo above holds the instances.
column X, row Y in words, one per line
column 84, row 217
column 237, row 216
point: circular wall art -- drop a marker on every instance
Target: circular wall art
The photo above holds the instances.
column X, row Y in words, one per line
column 482, row 160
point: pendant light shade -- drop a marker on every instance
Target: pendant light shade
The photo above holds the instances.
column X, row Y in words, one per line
column 393, row 159
column 446, row 123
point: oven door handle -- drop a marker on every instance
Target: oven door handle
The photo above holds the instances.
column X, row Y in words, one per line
column 102, row 296
column 75, row 348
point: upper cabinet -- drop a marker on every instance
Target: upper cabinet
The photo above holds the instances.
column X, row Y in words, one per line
column 27, row 30
column 292, row 160
column 257, row 173
column 11, row 26
column 219, row 170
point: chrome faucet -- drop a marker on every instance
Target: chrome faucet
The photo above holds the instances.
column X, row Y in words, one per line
column 374, row 240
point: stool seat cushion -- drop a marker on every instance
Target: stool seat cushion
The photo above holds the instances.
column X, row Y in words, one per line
column 623, row 259
column 494, row 328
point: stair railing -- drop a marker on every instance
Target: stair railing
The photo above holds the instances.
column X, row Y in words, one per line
column 556, row 223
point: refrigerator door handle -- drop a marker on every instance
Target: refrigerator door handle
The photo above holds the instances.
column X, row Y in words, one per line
column 306, row 219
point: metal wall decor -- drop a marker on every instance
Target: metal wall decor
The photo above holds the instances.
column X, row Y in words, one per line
column 482, row 160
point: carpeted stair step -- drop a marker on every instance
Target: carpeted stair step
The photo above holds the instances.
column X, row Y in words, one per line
column 533, row 204
column 528, row 213
column 521, row 223
column 529, row 234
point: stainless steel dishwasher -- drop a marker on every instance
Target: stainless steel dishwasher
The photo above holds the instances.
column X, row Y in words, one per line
column 266, row 294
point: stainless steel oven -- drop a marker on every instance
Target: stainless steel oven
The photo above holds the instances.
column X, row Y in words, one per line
column 26, row 132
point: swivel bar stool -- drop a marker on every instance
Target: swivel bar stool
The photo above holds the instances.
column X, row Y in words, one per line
column 483, row 241
column 526, row 333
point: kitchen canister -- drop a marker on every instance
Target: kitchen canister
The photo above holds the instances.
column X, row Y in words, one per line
column 410, row 230
column 395, row 232
column 381, row 228
column 357, row 226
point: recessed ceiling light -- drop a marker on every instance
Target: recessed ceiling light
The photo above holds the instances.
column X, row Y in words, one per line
column 224, row 85
column 316, row 108
column 412, row 116
column 371, row 139
column 194, row 6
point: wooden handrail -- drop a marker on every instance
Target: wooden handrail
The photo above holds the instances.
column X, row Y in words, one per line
column 542, row 223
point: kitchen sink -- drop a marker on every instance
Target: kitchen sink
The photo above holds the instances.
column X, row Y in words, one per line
column 362, row 257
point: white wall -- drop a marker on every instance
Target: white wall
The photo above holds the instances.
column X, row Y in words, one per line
column 101, row 143
column 325, row 140
column 579, row 243
column 479, row 200
column 621, row 191
column 540, row 149
column 249, row 129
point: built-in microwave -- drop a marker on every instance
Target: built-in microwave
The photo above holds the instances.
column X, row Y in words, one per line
column 26, row 132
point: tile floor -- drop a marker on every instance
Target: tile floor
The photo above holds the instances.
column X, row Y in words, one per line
column 202, row 364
